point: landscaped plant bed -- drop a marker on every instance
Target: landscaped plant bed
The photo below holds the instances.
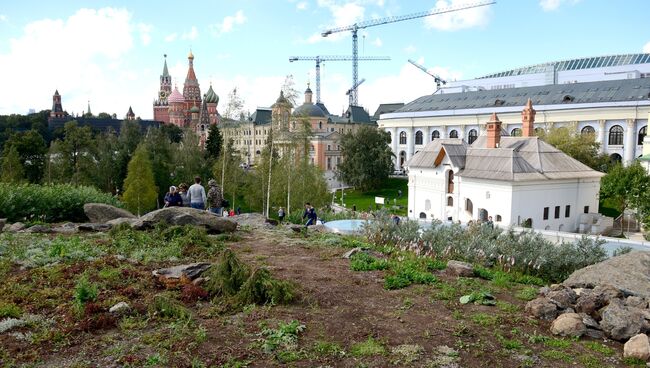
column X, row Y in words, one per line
column 338, row 317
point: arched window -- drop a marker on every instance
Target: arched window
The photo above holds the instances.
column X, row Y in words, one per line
column 498, row 218
column 402, row 138
column 615, row 157
column 423, row 215
column 453, row 134
column 515, row 132
column 616, row 135
column 587, row 130
column 435, row 135
column 450, row 201
column 469, row 206
column 642, row 134
column 320, row 125
column 471, row 137
column 418, row 137
column 450, row 181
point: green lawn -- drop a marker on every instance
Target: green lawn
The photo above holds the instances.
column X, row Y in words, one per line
column 366, row 200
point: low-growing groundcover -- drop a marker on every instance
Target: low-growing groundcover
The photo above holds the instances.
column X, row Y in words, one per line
column 49, row 203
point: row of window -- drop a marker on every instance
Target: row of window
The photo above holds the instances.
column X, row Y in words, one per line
column 567, row 211
column 615, row 135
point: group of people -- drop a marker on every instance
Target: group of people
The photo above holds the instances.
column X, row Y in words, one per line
column 196, row 197
column 309, row 214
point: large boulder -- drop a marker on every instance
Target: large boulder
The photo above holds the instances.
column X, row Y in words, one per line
column 637, row 347
column 562, row 297
column 542, row 308
column 181, row 274
column 461, row 269
column 589, row 303
column 568, row 324
column 100, row 212
column 189, row 216
column 629, row 272
column 621, row 322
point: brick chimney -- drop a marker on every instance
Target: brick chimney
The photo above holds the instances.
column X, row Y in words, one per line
column 493, row 131
column 528, row 120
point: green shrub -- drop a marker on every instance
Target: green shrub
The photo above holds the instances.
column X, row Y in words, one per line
column 166, row 306
column 362, row 261
column 284, row 337
column 369, row 347
column 10, row 310
column 226, row 277
column 49, row 203
column 409, row 271
column 262, row 288
column 84, row 291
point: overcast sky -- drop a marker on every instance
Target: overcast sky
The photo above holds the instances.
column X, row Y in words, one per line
column 111, row 52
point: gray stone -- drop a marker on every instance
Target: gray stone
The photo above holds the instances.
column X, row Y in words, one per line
column 608, row 292
column 100, row 212
column 93, row 227
column 122, row 220
column 271, row 222
column 621, row 322
column 589, row 303
column 38, row 229
column 629, row 272
column 120, row 308
column 189, row 216
column 562, row 297
column 568, row 324
column 182, row 274
column 636, row 301
column 637, row 347
column 542, row 308
column 589, row 322
column 15, row 227
column 595, row 334
column 461, row 269
column 352, row 252
column 67, row 228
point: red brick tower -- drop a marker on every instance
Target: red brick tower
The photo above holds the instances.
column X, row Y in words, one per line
column 528, row 120
column 493, row 131
column 160, row 105
column 191, row 90
column 57, row 109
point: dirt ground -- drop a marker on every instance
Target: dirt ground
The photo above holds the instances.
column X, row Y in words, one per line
column 418, row 326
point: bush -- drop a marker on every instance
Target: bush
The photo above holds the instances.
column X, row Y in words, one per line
column 228, row 276
column 364, row 262
column 409, row 271
column 49, row 203
column 262, row 288
column 84, row 292
column 165, row 306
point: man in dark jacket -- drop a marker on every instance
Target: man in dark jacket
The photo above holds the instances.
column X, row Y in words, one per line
column 310, row 214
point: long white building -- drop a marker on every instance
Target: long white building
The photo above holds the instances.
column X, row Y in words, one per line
column 607, row 96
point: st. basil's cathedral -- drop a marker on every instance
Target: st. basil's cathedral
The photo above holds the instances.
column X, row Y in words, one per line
column 186, row 110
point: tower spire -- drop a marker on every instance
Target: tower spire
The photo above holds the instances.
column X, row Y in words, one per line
column 165, row 72
column 89, row 113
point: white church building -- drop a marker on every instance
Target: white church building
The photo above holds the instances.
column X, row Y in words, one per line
column 516, row 180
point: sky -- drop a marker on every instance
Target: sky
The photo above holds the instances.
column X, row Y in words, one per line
column 110, row 53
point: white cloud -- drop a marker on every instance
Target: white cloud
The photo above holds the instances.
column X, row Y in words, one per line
column 171, row 37
column 302, row 5
column 101, row 73
column 191, row 35
column 377, row 42
column 646, row 48
column 343, row 15
column 551, row 5
column 410, row 49
column 145, row 33
column 228, row 23
column 3, row 17
column 467, row 18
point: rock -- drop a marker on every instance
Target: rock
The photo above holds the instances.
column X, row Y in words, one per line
column 544, row 290
column 297, row 228
column 636, row 302
column 100, row 212
column 629, row 272
column 595, row 334
column 608, row 292
column 461, row 269
column 198, row 281
column 182, row 274
column 562, row 297
column 352, row 252
column 38, row 229
column 589, row 322
column 621, row 322
column 93, row 227
column 568, row 324
column 3, row 222
column 122, row 220
column 637, row 347
column 190, row 216
column 120, row 308
column 271, row 221
column 589, row 303
column 67, row 228
column 542, row 308
column 15, row 227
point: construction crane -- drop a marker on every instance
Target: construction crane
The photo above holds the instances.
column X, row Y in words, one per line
column 435, row 77
column 350, row 92
column 377, row 22
column 320, row 59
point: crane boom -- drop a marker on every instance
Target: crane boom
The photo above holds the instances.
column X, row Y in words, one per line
column 435, row 77
column 318, row 59
column 354, row 87
column 377, row 22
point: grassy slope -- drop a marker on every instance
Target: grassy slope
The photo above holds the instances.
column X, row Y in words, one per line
column 366, row 200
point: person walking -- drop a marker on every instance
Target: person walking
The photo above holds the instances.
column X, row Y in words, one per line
column 173, row 198
column 215, row 198
column 281, row 214
column 196, row 194
column 310, row 214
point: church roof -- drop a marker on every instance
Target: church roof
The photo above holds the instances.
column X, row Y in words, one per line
column 211, row 96
column 386, row 108
column 175, row 96
column 309, row 109
column 516, row 159
column 261, row 116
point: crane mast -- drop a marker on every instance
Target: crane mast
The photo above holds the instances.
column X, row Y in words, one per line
column 435, row 77
column 318, row 59
column 354, row 28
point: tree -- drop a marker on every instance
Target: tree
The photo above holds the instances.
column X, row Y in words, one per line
column 70, row 157
column 234, row 107
column 367, row 158
column 582, row 147
column 173, row 132
column 628, row 187
column 105, row 173
column 232, row 176
column 289, row 89
column 214, row 142
column 31, row 148
column 161, row 154
column 128, row 140
column 140, row 190
column 188, row 159
column 12, row 169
